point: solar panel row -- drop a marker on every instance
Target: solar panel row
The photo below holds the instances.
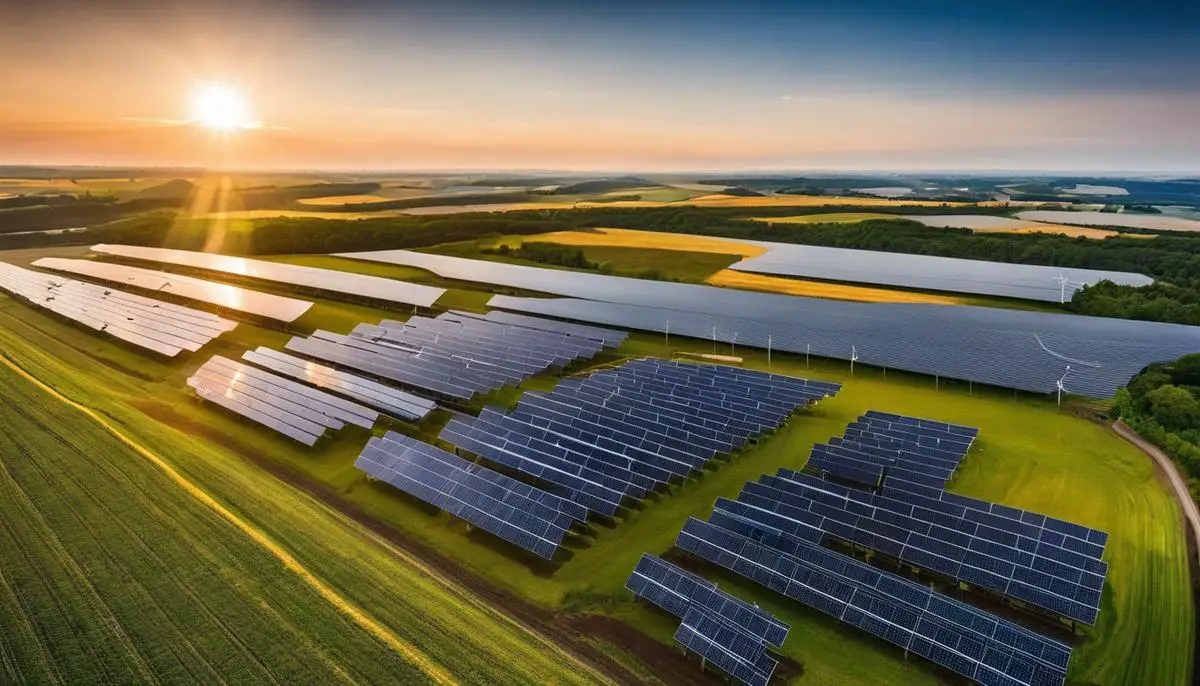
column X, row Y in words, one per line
column 220, row 294
column 149, row 324
column 290, row 408
column 326, row 280
column 948, row 632
column 623, row 432
column 730, row 633
column 391, row 401
column 516, row 512
column 452, row 356
column 968, row 549
column 881, row 445
column 610, row 337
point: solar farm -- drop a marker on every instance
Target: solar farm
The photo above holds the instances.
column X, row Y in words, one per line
column 1022, row 281
column 1030, row 351
column 664, row 483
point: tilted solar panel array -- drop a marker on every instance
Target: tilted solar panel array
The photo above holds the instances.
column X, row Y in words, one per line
column 293, row 409
column 929, row 272
column 391, row 401
column 1021, row 560
column 325, row 280
column 730, row 633
column 882, row 445
column 516, row 512
column 1029, row 351
column 454, row 356
column 610, row 337
column 623, row 432
column 915, row 520
column 1007, row 348
column 948, row 632
column 149, row 324
column 219, row 294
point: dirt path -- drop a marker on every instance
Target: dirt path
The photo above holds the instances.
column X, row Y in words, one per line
column 1190, row 511
column 434, row 671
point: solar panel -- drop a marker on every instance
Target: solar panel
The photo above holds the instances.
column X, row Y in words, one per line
column 223, row 295
column 292, row 409
column 325, row 280
column 724, row 646
column 390, row 400
column 1037, row 573
column 731, row 633
column 1004, row 348
column 608, row 438
column 952, row 634
column 929, row 272
column 610, row 337
column 159, row 327
column 532, row 519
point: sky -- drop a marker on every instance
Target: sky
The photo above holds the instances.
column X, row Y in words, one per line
column 1065, row 86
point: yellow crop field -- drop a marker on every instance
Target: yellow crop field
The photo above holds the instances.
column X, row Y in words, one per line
column 651, row 240
column 831, row 217
column 1072, row 231
column 343, row 199
column 730, row 278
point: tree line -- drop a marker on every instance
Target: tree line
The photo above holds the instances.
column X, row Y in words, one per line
column 1163, row 405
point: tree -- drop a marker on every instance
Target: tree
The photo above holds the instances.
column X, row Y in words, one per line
column 1186, row 370
column 1174, row 407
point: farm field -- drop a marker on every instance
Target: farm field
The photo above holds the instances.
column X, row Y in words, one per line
column 631, row 251
column 988, row 224
column 1030, row 455
column 732, row 278
column 630, row 238
column 1159, row 222
column 444, row 624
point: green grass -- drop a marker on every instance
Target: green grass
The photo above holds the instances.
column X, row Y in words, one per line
column 825, row 218
column 677, row 265
column 269, row 615
column 1030, row 455
column 113, row 573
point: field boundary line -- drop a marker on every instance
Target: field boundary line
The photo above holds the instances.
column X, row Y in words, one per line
column 411, row 653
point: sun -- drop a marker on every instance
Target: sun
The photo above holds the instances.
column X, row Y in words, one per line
column 219, row 107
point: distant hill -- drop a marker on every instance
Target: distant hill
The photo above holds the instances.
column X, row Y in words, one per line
column 623, row 183
column 177, row 189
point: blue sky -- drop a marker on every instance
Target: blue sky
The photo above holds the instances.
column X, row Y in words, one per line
column 620, row 85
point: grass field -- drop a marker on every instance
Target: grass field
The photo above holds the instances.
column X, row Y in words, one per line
column 181, row 592
column 1029, row 455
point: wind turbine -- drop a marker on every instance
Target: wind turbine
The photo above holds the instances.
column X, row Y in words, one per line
column 1059, row 384
column 853, row 359
column 1062, row 288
